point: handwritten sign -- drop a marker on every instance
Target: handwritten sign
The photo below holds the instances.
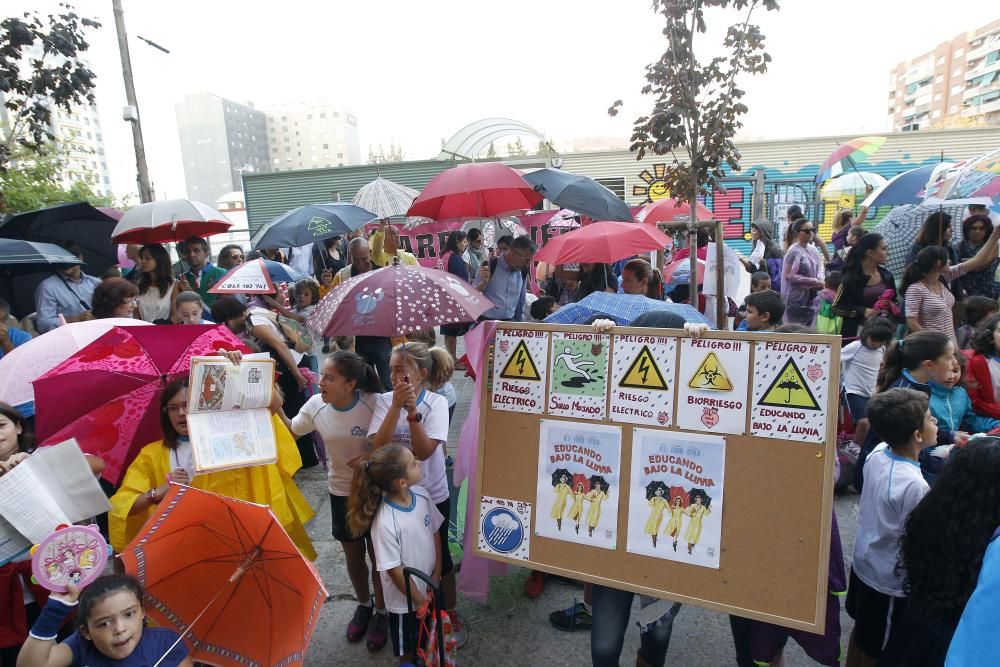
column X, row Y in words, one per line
column 790, row 386
column 642, row 380
column 578, row 376
column 519, row 371
column 712, row 385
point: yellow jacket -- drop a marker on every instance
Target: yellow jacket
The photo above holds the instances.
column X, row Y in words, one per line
column 270, row 485
column 381, row 258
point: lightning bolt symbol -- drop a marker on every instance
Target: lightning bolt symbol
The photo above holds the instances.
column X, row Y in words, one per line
column 520, row 362
column 644, row 369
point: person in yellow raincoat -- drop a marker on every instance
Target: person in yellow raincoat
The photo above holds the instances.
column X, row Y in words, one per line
column 170, row 459
column 384, row 244
column 576, row 509
column 658, row 503
column 674, row 524
column 559, row 506
column 697, row 511
column 596, row 496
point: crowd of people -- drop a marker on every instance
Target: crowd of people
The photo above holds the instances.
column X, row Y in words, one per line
column 920, row 382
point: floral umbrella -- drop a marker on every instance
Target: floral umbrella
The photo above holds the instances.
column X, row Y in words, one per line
column 107, row 395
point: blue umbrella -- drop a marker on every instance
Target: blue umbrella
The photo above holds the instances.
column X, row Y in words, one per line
column 282, row 273
column 622, row 308
column 905, row 188
column 579, row 193
column 308, row 224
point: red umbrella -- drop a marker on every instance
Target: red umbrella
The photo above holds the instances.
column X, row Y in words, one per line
column 396, row 300
column 684, row 266
column 679, row 492
column 669, row 210
column 602, row 242
column 475, row 191
column 107, row 395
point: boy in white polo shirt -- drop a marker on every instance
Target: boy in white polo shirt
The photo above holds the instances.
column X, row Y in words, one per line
column 893, row 487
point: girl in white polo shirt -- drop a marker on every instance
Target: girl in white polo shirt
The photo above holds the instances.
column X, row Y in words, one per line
column 341, row 413
column 413, row 416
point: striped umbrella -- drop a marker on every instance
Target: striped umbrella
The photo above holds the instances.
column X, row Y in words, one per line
column 849, row 154
column 385, row 198
column 974, row 182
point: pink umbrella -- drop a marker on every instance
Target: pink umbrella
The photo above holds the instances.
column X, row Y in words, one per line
column 606, row 241
column 669, row 210
column 683, row 266
column 107, row 395
column 26, row 363
column 396, row 300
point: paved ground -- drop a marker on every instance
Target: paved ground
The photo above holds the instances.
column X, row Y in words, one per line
column 512, row 630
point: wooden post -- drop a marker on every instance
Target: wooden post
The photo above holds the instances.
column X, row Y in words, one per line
column 721, row 303
column 693, row 259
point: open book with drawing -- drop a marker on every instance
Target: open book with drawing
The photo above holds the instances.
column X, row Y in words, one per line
column 53, row 486
column 228, row 419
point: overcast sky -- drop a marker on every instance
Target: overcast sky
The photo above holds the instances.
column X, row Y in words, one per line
column 416, row 72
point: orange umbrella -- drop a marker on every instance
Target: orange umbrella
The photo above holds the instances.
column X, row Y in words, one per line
column 668, row 210
column 225, row 575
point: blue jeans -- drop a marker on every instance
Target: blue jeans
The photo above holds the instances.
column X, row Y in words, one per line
column 376, row 351
column 611, row 611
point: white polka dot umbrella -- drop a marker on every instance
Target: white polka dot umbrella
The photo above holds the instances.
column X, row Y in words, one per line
column 395, row 301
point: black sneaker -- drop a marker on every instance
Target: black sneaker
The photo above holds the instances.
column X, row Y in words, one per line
column 572, row 619
column 358, row 626
column 378, row 632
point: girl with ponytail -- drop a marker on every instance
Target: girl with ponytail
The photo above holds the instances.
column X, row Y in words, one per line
column 340, row 414
column 415, row 417
column 404, row 525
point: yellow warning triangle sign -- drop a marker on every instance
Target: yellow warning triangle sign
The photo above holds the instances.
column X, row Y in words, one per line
column 789, row 390
column 520, row 366
column 711, row 376
column 643, row 373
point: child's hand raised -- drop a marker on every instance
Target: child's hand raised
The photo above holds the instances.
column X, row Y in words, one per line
column 70, row 597
column 403, row 396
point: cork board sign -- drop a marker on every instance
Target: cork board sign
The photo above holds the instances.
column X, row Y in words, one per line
column 703, row 474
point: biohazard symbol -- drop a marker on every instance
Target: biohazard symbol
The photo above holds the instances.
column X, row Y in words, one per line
column 789, row 390
column 520, row 366
column 643, row 373
column 711, row 376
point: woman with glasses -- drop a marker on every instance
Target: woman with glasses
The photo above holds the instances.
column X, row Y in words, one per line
column 800, row 276
column 976, row 229
column 171, row 459
column 114, row 297
column 230, row 256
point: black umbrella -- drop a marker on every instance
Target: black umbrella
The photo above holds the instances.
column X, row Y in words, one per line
column 598, row 479
column 706, row 499
column 558, row 474
column 311, row 223
column 579, row 193
column 653, row 486
column 18, row 257
column 80, row 223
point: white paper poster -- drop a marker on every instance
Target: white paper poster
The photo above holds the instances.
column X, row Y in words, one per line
column 519, row 370
column 712, row 385
column 675, row 499
column 248, row 278
column 578, row 380
column 505, row 527
column 642, row 380
column 578, row 476
column 791, row 382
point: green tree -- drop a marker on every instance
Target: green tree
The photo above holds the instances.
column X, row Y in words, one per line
column 40, row 70
column 394, row 154
column 546, row 148
column 517, row 149
column 491, row 152
column 697, row 105
column 35, row 180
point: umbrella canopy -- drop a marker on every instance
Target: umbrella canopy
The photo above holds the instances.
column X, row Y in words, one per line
column 169, row 220
column 26, row 363
column 18, row 256
column 602, row 242
column 578, row 479
column 79, row 223
column 308, row 224
column 558, row 474
column 901, row 226
column 256, row 277
column 905, row 188
column 107, row 395
column 395, row 300
column 653, row 486
column 580, row 193
column 706, row 499
column 670, row 210
column 226, row 576
column 385, row 198
column 679, row 272
column 848, row 155
column 478, row 190
column 679, row 492
column 599, row 479
column 851, row 183
column 622, row 308
column 974, row 182
column 565, row 219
